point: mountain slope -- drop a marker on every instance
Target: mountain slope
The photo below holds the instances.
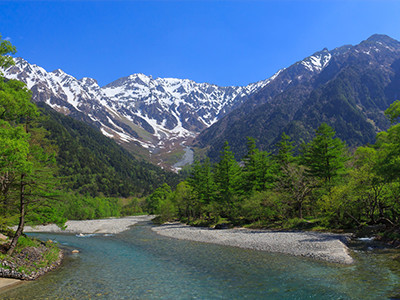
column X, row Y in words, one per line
column 158, row 114
column 91, row 163
column 348, row 88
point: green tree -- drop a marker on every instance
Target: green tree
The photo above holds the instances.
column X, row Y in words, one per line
column 14, row 149
column 285, row 147
column 295, row 188
column 185, row 200
column 202, row 181
column 155, row 201
column 227, row 178
column 258, row 169
column 393, row 112
column 6, row 48
column 388, row 145
column 26, row 166
column 325, row 156
column 364, row 197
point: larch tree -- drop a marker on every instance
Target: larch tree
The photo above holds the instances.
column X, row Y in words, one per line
column 325, row 156
column 227, row 178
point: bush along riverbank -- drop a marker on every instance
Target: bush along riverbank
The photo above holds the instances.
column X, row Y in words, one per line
column 31, row 259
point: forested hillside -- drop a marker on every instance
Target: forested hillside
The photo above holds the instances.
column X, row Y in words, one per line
column 93, row 164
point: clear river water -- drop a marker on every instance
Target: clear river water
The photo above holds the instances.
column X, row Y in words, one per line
column 139, row 264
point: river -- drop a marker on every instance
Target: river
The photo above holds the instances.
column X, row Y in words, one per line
column 139, row 264
column 187, row 158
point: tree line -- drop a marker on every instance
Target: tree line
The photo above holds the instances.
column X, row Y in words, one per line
column 322, row 184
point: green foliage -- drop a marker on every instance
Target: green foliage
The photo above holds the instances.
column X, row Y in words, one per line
column 24, row 242
column 202, row 182
column 285, row 154
column 262, row 207
column 6, row 48
column 79, row 207
column 328, row 189
column 325, row 156
column 393, row 112
column 26, row 157
column 227, row 178
column 388, row 145
column 133, row 207
column 155, row 201
column 91, row 163
column 259, row 169
column 187, row 200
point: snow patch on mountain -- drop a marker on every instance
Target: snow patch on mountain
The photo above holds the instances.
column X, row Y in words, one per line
column 317, row 61
column 137, row 108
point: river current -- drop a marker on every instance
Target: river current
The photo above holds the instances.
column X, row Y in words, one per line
column 139, row 264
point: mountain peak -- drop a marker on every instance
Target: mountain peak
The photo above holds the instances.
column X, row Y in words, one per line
column 381, row 39
column 58, row 72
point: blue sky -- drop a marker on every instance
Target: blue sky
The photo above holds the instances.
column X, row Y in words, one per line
column 220, row 42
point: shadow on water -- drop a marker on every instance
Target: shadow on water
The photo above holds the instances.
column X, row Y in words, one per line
column 139, row 264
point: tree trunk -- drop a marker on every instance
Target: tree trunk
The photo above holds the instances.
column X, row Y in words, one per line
column 301, row 210
column 21, row 218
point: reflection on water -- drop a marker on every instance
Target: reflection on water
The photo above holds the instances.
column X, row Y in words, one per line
column 139, row 264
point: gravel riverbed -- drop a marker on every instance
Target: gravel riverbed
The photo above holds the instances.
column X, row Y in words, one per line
column 321, row 246
column 111, row 225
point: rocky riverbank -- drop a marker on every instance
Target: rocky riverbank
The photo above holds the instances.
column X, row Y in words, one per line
column 321, row 246
column 31, row 259
column 19, row 267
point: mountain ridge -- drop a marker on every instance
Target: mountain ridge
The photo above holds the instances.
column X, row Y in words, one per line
column 161, row 116
column 348, row 93
column 137, row 110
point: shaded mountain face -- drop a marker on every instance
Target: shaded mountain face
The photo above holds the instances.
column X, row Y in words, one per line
column 348, row 88
column 158, row 114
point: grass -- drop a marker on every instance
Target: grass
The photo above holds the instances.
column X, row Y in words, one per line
column 31, row 255
column 24, row 242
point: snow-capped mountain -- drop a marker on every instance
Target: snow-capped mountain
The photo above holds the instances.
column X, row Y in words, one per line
column 348, row 88
column 137, row 108
column 162, row 114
